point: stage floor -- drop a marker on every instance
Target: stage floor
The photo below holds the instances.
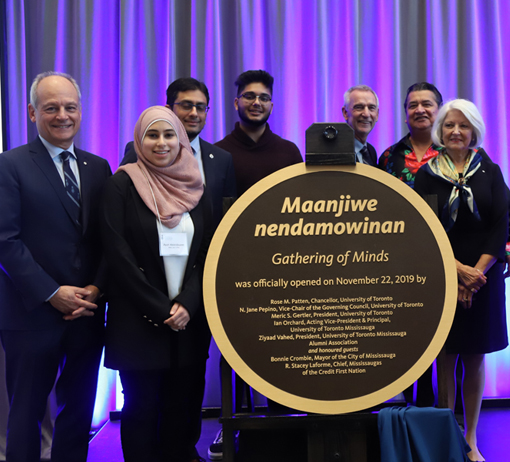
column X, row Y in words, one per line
column 493, row 436
column 105, row 446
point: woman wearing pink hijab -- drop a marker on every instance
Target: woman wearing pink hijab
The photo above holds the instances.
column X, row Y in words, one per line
column 154, row 222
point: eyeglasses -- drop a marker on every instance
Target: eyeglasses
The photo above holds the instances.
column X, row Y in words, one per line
column 187, row 106
column 249, row 96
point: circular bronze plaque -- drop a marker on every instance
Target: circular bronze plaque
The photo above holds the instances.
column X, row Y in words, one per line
column 330, row 289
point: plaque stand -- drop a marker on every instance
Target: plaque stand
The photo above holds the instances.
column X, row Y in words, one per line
column 350, row 438
column 347, row 437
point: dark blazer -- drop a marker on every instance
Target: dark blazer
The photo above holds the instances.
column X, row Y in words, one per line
column 219, row 174
column 41, row 248
column 138, row 302
column 372, row 154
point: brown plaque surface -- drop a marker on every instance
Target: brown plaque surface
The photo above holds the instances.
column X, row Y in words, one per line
column 330, row 289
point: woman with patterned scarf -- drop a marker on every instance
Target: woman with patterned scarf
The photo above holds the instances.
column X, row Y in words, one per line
column 155, row 224
column 473, row 208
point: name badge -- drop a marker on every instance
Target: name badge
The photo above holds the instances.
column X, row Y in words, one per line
column 173, row 244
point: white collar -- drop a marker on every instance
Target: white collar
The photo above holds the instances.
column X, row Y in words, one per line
column 55, row 151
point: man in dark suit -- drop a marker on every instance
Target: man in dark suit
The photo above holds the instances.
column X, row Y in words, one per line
column 189, row 99
column 361, row 111
column 51, row 319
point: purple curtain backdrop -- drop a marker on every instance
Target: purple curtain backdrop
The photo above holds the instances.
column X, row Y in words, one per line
column 125, row 53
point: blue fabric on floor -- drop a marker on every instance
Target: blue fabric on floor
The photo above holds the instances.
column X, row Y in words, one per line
column 413, row 434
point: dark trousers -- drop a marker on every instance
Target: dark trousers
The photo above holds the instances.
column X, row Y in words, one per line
column 33, row 360
column 161, row 417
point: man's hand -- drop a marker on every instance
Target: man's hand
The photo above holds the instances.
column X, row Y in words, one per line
column 74, row 302
column 92, row 298
column 94, row 294
column 179, row 317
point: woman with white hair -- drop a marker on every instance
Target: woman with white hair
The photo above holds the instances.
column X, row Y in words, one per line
column 473, row 208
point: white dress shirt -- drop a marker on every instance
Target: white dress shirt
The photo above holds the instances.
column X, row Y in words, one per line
column 175, row 265
column 197, row 152
column 57, row 160
column 358, row 146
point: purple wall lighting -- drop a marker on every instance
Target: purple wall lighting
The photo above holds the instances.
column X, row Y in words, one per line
column 124, row 55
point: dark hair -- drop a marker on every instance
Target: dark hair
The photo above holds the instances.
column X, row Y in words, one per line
column 184, row 84
column 259, row 76
column 421, row 86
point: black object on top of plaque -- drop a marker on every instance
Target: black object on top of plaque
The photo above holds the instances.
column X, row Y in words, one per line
column 330, row 144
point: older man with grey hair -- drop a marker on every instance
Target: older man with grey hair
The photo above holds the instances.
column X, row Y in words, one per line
column 51, row 275
column 361, row 111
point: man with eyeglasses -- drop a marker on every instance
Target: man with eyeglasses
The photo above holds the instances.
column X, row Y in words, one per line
column 256, row 150
column 361, row 111
column 189, row 99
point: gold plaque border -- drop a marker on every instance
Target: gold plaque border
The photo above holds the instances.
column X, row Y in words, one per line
column 314, row 405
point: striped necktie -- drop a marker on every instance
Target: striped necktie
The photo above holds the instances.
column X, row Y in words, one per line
column 71, row 185
column 364, row 155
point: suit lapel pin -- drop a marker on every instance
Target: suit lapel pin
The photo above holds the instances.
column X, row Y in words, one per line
column 211, row 156
column 84, row 163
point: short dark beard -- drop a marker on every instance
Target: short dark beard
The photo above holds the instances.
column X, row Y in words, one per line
column 192, row 135
column 253, row 123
